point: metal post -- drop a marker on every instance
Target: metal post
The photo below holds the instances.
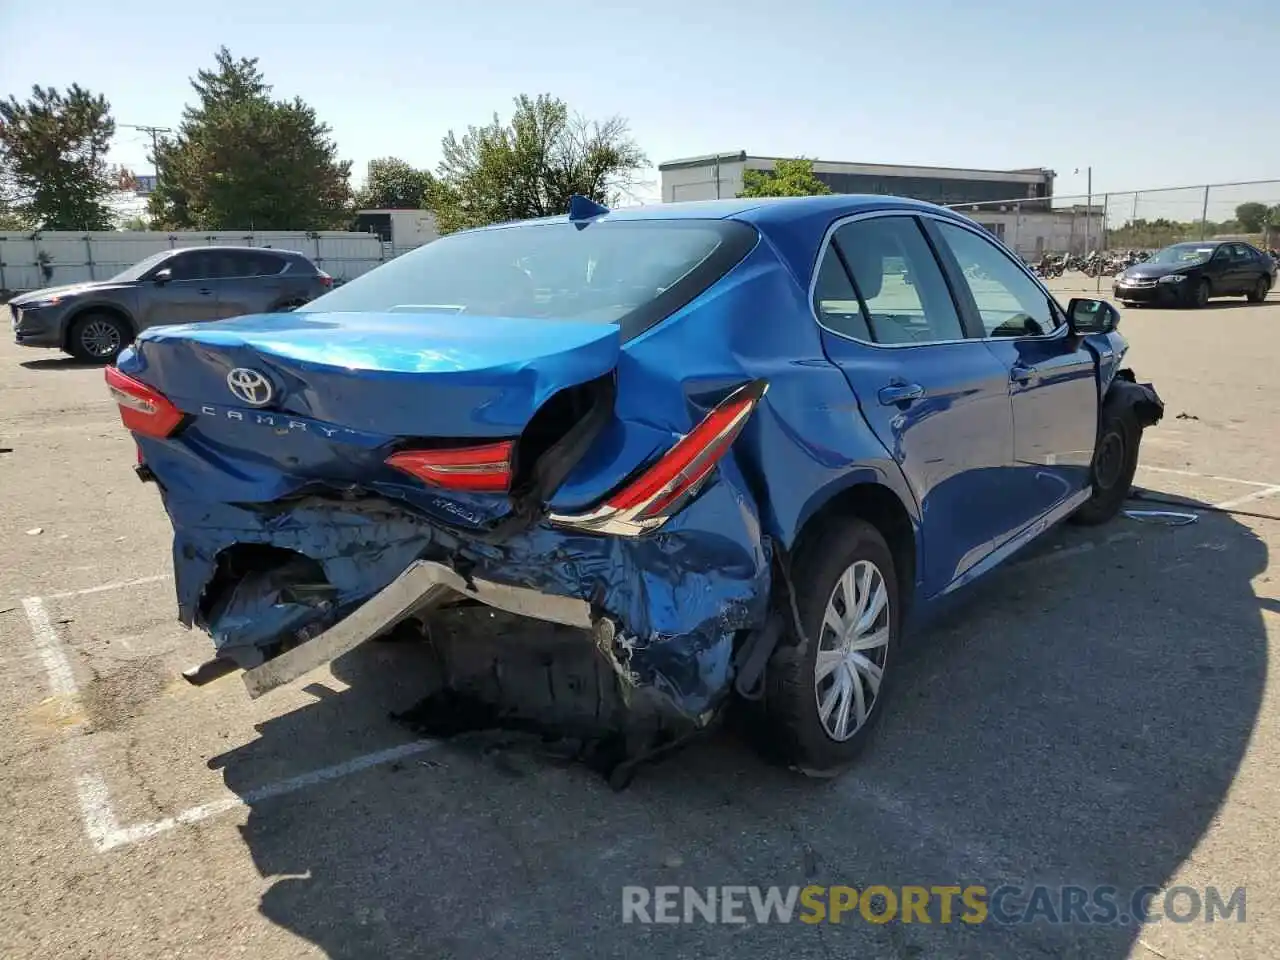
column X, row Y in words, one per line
column 88, row 250
column 1088, row 209
column 1204, row 214
column 717, row 176
column 1106, row 201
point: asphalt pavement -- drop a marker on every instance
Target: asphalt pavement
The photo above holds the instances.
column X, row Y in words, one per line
column 1097, row 715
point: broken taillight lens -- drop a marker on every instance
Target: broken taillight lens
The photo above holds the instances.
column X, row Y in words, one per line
column 482, row 469
column 142, row 409
column 652, row 498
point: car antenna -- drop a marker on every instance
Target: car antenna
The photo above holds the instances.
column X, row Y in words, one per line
column 584, row 208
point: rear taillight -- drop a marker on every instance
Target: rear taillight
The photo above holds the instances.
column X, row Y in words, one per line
column 482, row 469
column 142, row 409
column 647, row 502
column 325, row 279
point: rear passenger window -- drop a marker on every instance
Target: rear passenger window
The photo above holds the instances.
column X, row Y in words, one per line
column 900, row 283
column 835, row 301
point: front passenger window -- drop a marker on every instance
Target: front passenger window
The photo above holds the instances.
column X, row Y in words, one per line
column 1010, row 303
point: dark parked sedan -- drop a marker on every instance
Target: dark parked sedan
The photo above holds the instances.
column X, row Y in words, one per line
column 95, row 321
column 1188, row 274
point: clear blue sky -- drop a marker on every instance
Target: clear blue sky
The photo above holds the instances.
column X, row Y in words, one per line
column 1163, row 94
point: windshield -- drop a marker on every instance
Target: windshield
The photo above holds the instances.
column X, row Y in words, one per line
column 139, row 269
column 629, row 272
column 1183, row 254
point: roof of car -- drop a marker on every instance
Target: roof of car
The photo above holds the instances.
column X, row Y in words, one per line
column 771, row 209
column 228, row 248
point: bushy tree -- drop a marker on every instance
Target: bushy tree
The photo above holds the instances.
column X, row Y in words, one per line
column 1251, row 216
column 393, row 184
column 788, row 178
column 241, row 160
column 53, row 167
column 531, row 166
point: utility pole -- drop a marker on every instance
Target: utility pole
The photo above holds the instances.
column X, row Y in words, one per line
column 155, row 140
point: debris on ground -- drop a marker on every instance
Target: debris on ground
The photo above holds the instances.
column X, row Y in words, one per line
column 1186, row 416
column 35, row 531
column 1170, row 518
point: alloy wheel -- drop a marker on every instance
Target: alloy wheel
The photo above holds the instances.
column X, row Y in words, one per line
column 852, row 650
column 100, row 338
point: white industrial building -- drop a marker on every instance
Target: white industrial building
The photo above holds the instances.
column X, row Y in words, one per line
column 1015, row 205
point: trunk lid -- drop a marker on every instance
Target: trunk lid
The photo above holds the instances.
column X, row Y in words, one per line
column 391, row 375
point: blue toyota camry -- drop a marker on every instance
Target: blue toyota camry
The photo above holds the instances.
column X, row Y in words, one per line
column 738, row 446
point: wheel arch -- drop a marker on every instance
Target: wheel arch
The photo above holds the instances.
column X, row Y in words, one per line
column 864, row 495
column 111, row 309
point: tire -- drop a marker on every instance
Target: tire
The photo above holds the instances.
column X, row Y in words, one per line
column 792, row 727
column 287, row 306
column 1115, row 460
column 1200, row 295
column 98, row 337
column 1260, row 290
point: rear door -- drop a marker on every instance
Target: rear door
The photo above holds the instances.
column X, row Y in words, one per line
column 189, row 295
column 1051, row 377
column 252, row 282
column 937, row 400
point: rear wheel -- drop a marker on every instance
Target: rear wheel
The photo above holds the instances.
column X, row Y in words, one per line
column 1260, row 289
column 826, row 691
column 98, row 337
column 1115, row 460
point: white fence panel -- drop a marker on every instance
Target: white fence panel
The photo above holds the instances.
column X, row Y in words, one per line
column 29, row 261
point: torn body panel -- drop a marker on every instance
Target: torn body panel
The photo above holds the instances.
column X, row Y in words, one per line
column 679, row 598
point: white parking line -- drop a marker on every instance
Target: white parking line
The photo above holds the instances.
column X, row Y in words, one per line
column 1248, row 498
column 93, row 796
column 106, row 587
column 1205, row 476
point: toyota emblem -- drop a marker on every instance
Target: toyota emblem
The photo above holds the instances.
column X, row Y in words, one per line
column 250, row 386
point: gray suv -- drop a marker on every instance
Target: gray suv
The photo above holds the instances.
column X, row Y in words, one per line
column 95, row 321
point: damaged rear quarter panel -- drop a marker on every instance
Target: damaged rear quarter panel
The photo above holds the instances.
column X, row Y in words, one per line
column 681, row 595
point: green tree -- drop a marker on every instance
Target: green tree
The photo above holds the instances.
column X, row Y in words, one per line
column 393, row 184
column 1251, row 216
column 53, row 150
column 531, row 166
column 241, row 160
column 788, row 178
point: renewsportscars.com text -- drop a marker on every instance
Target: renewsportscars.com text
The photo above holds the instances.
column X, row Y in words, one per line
column 974, row 904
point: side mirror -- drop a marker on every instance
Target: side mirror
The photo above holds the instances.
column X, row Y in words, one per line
column 162, row 277
column 1088, row 317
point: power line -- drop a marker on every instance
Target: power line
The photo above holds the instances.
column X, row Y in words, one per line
column 155, row 139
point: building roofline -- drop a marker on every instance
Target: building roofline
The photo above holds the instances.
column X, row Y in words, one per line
column 743, row 156
column 702, row 161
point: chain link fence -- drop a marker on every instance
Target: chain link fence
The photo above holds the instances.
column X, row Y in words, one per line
column 1087, row 236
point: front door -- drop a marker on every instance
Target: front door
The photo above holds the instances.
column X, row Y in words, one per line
column 189, row 294
column 937, row 400
column 1052, row 377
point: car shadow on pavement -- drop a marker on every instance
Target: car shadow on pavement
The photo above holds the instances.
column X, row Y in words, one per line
column 58, row 363
column 1079, row 722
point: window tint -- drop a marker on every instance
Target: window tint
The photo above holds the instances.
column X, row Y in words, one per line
column 268, row 264
column 253, row 264
column 1242, row 254
column 1009, row 302
column 901, row 285
column 835, row 301
column 629, row 272
column 195, row 265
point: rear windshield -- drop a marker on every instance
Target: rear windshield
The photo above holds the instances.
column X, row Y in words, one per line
column 630, row 272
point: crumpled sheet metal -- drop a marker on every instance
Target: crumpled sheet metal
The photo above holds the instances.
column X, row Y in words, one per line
column 679, row 596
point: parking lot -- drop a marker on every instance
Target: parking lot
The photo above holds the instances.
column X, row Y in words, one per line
column 1097, row 714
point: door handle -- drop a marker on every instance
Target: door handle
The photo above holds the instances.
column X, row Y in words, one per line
column 900, row 393
column 1019, row 373
column 205, row 292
